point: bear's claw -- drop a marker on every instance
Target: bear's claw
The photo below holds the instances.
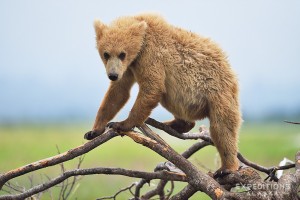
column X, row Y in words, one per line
column 119, row 126
column 110, row 124
column 221, row 173
column 91, row 135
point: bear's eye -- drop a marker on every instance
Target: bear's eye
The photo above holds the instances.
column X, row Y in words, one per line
column 106, row 56
column 122, row 55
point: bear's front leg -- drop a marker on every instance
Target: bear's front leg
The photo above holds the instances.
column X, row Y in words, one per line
column 147, row 99
column 115, row 98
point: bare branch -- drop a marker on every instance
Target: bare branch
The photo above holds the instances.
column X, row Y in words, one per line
column 186, row 154
column 269, row 171
column 186, row 193
column 13, row 187
column 194, row 148
column 69, row 155
column 291, row 122
column 251, row 164
column 160, row 187
column 75, row 178
column 165, row 175
column 185, row 136
column 62, row 169
column 138, row 188
column 199, row 180
column 145, row 130
column 171, row 190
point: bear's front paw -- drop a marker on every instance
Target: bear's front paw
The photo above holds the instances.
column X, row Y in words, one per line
column 220, row 173
column 119, row 126
column 92, row 134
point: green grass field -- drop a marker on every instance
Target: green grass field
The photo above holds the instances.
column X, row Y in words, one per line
column 266, row 144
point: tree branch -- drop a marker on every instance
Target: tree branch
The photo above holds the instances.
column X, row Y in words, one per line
column 157, row 191
column 138, row 187
column 269, row 171
column 186, row 193
column 69, row 155
column 186, row 154
column 185, row 136
column 196, row 178
column 194, row 148
column 289, row 122
column 164, row 175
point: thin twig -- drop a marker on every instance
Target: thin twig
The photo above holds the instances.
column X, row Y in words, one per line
column 138, row 188
column 14, row 187
column 171, row 190
column 160, row 186
column 62, row 169
column 291, row 122
column 50, row 189
column 119, row 192
column 75, row 178
column 31, row 180
column 7, row 191
column 269, row 171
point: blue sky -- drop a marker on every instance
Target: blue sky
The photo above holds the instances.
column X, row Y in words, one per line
column 49, row 67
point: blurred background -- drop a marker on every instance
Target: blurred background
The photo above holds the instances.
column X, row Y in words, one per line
column 52, row 79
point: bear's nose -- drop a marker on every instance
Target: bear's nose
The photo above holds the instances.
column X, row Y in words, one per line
column 113, row 76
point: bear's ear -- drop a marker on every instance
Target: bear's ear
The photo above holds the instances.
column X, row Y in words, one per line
column 99, row 27
column 138, row 28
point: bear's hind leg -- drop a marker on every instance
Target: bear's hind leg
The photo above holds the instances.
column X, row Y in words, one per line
column 181, row 126
column 224, row 127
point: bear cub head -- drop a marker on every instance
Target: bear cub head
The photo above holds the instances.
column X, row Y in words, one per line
column 119, row 44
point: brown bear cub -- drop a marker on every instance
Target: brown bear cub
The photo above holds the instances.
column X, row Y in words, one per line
column 187, row 74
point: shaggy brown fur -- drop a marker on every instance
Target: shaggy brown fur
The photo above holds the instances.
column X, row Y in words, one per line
column 188, row 74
